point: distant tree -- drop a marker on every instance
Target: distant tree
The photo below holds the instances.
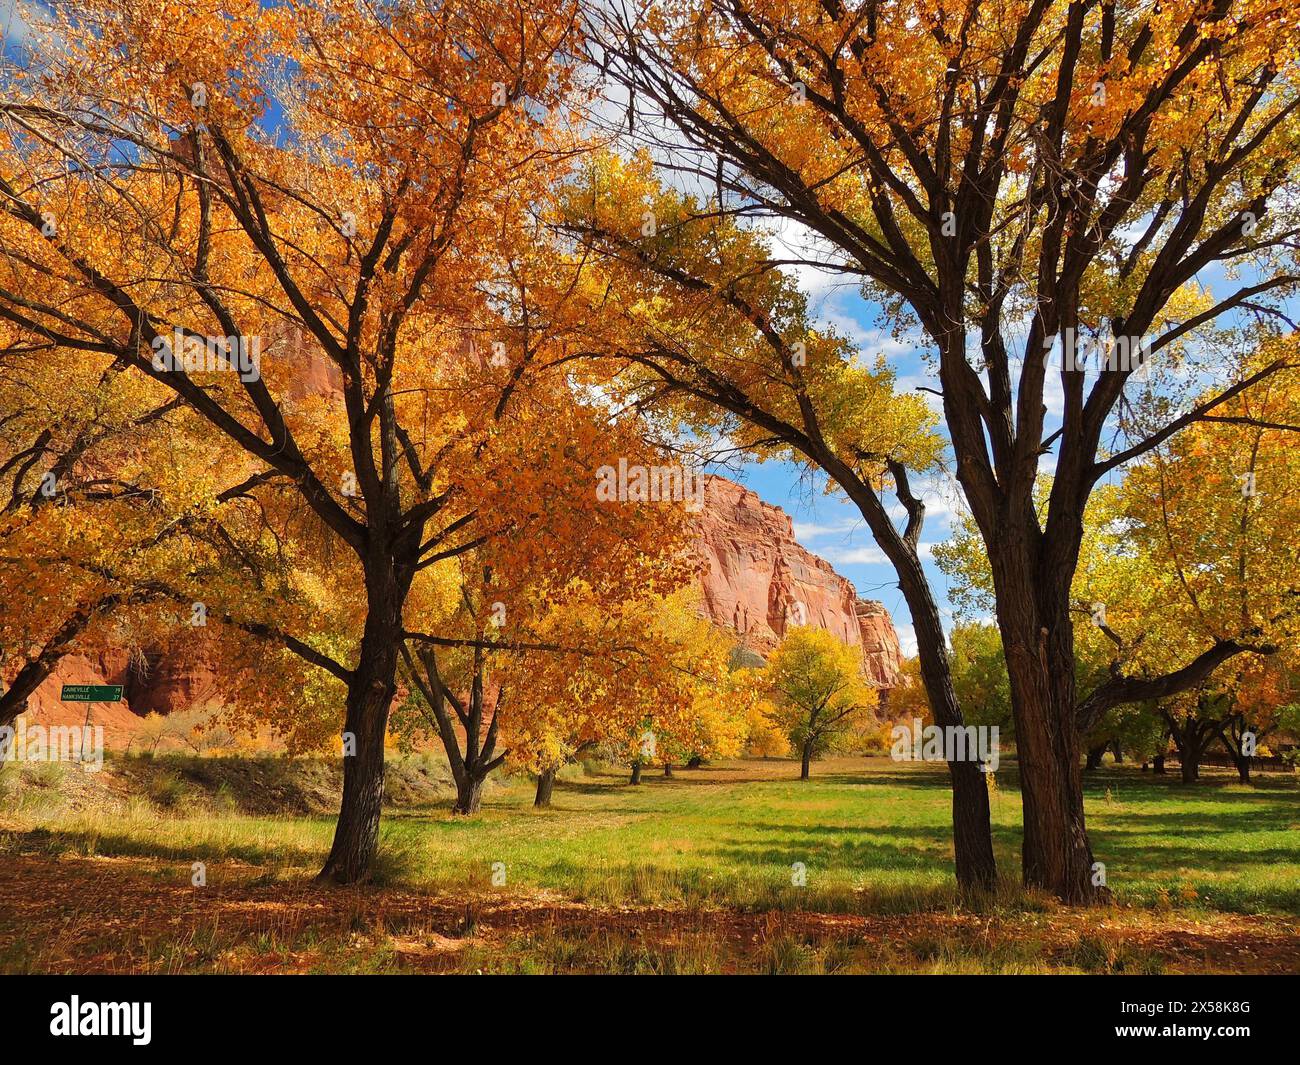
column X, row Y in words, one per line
column 817, row 691
column 980, row 676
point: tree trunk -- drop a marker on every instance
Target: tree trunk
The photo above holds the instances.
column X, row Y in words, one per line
column 807, row 761
column 545, row 786
column 13, row 702
column 1094, row 758
column 1038, row 639
column 1240, row 760
column 34, row 671
column 1158, row 764
column 972, row 834
column 469, row 795
column 1118, row 752
column 356, row 836
column 1191, row 764
column 636, row 773
column 668, row 769
column 369, row 700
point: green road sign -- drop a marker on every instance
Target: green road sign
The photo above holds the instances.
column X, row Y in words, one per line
column 92, row 693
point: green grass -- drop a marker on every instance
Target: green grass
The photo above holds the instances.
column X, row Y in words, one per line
column 873, row 836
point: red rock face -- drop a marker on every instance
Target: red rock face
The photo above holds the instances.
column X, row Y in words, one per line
column 159, row 684
column 44, row 707
column 759, row 582
column 881, row 653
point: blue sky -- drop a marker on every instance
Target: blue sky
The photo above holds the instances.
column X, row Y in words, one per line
column 830, row 525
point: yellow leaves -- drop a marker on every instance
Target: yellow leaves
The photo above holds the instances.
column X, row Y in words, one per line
column 1200, row 533
column 703, row 292
column 812, row 680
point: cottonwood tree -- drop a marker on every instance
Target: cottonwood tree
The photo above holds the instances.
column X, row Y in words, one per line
column 1010, row 181
column 81, row 520
column 817, row 692
column 355, row 175
column 1263, row 702
column 660, row 666
column 699, row 706
column 1187, row 569
column 120, row 529
column 749, row 366
column 549, row 637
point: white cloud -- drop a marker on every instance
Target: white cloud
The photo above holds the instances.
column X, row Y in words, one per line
column 906, row 639
column 811, row 530
column 854, row 556
column 867, row 556
column 791, row 239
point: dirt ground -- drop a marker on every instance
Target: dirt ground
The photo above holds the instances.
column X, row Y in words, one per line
column 94, row 915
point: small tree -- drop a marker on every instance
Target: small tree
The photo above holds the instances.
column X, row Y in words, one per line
column 817, row 690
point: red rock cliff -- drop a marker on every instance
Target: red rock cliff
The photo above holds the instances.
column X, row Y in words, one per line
column 758, row 582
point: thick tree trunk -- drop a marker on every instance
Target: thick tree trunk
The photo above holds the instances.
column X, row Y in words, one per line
column 545, row 786
column 668, row 769
column 636, row 773
column 356, row 835
column 1243, row 769
column 1158, row 764
column 13, row 702
column 369, row 701
column 1118, row 752
column 1038, row 639
column 1191, row 764
column 1095, row 755
column 469, row 794
column 807, row 761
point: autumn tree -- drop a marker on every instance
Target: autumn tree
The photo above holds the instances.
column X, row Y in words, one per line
column 83, row 523
column 122, row 527
column 698, row 705
column 1009, row 185
column 1184, row 557
column 536, row 651
column 180, row 179
column 817, row 691
column 1262, row 703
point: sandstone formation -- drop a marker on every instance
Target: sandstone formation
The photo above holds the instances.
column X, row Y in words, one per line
column 153, row 683
column 759, row 582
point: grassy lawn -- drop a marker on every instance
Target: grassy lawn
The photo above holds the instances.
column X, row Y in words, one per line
column 710, row 855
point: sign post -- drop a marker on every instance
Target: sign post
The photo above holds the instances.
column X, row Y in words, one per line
column 90, row 694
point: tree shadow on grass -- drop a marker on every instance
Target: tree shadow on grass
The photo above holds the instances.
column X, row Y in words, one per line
column 42, row 841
